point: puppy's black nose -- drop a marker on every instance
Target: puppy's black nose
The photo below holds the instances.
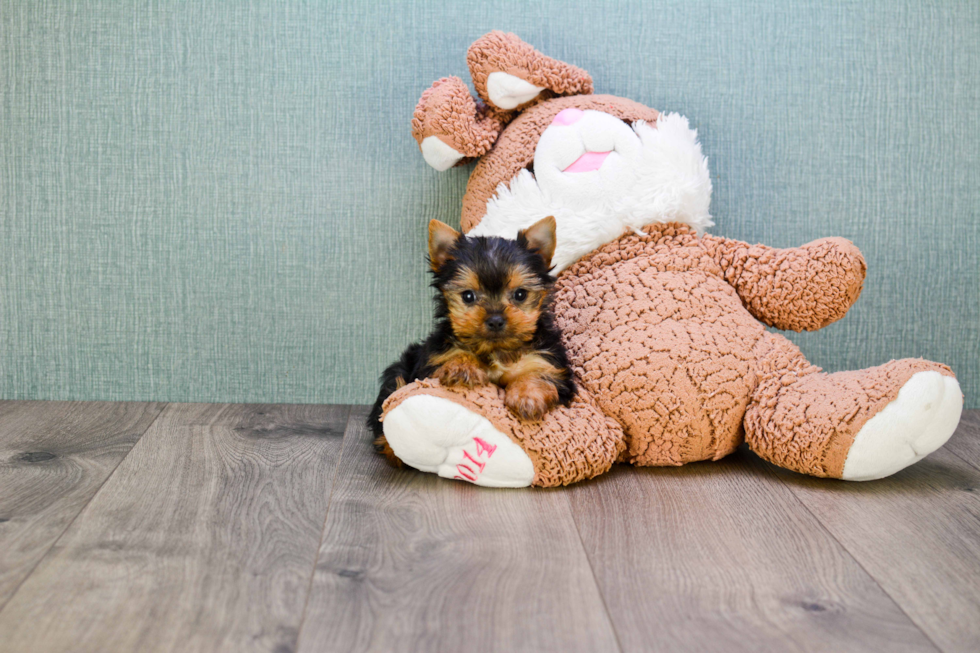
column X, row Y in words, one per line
column 496, row 323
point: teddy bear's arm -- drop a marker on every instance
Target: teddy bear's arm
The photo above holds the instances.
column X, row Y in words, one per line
column 798, row 289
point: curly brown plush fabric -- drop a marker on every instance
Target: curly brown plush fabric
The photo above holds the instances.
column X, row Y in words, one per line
column 805, row 420
column 447, row 111
column 661, row 330
column 568, row 445
column 662, row 341
column 507, row 53
column 798, row 289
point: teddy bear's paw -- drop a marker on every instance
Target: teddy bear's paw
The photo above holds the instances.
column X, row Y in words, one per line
column 919, row 421
column 437, row 435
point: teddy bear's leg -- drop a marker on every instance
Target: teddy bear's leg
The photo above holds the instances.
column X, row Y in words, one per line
column 449, row 126
column 469, row 435
column 859, row 425
column 508, row 73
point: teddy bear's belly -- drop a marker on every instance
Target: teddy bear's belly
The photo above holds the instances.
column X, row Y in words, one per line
column 667, row 353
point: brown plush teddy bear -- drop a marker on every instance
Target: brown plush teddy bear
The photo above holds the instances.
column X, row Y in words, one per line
column 664, row 325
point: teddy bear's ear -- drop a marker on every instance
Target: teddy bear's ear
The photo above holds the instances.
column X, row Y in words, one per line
column 509, row 74
column 449, row 125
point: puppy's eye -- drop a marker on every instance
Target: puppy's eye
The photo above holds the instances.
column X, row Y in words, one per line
column 469, row 296
column 520, row 295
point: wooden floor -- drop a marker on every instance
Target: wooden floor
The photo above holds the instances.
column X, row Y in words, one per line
column 191, row 527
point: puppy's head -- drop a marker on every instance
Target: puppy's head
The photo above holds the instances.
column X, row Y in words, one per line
column 492, row 290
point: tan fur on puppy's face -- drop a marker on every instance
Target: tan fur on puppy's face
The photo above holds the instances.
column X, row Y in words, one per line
column 520, row 313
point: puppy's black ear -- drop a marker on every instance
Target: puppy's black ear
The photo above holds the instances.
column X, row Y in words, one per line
column 540, row 238
column 442, row 237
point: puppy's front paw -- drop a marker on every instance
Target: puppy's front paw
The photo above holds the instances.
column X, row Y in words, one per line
column 462, row 372
column 530, row 398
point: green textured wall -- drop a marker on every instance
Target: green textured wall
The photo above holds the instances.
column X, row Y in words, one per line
column 222, row 201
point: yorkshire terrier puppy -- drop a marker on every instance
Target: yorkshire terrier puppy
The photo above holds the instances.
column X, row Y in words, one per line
column 492, row 324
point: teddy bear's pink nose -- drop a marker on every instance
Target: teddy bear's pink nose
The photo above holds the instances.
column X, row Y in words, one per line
column 568, row 116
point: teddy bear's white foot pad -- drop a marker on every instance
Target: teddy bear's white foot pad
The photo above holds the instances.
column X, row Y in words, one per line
column 437, row 435
column 919, row 421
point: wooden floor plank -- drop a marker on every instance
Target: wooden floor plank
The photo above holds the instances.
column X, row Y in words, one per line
column 54, row 456
column 719, row 556
column 413, row 562
column 918, row 534
column 965, row 443
column 204, row 539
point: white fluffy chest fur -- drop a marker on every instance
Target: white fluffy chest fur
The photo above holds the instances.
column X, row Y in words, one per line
column 600, row 177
